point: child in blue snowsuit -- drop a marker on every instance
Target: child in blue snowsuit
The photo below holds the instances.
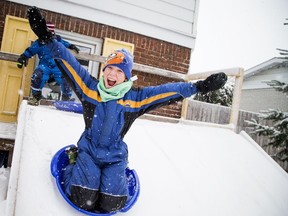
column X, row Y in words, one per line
column 46, row 68
column 96, row 181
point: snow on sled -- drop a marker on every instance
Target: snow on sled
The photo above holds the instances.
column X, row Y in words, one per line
column 60, row 161
column 69, row 106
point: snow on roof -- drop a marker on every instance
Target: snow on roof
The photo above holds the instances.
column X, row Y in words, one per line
column 184, row 169
column 271, row 63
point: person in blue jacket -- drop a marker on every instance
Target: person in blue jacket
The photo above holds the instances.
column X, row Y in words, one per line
column 46, row 68
column 95, row 180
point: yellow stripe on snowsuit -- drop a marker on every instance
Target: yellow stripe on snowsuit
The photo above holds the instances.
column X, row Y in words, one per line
column 90, row 93
column 94, row 94
column 138, row 104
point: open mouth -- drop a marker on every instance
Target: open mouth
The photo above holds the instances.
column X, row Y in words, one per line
column 111, row 83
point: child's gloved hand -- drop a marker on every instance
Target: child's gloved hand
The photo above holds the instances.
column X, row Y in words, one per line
column 38, row 25
column 22, row 60
column 211, row 83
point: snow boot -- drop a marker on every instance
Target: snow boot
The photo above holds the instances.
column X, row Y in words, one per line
column 72, row 153
column 34, row 101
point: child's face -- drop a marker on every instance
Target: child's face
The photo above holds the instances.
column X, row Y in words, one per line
column 113, row 76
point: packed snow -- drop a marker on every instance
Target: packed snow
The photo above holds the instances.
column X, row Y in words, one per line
column 4, row 177
column 184, row 169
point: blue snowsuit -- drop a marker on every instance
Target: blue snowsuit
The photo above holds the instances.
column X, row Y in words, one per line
column 46, row 67
column 99, row 173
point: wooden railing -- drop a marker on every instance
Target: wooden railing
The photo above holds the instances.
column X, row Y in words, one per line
column 237, row 73
column 8, row 56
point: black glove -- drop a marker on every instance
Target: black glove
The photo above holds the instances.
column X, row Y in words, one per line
column 38, row 25
column 211, row 83
column 75, row 48
column 22, row 60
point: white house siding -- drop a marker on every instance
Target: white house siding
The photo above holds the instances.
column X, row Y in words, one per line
column 169, row 20
column 256, row 94
column 256, row 100
column 257, row 80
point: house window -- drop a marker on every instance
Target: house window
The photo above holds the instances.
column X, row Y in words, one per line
column 85, row 63
column 87, row 45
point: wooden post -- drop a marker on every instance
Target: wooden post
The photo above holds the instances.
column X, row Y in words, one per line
column 236, row 98
column 184, row 109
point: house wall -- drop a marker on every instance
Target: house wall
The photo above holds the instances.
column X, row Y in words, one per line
column 258, row 96
column 256, row 100
column 170, row 20
column 257, row 81
column 148, row 51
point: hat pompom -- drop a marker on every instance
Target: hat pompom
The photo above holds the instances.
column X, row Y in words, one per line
column 51, row 27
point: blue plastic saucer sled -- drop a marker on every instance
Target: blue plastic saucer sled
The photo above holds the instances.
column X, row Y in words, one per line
column 59, row 163
column 69, row 106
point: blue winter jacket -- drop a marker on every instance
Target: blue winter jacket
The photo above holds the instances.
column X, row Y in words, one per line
column 44, row 54
column 106, row 123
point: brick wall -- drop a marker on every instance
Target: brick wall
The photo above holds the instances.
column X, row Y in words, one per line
column 147, row 51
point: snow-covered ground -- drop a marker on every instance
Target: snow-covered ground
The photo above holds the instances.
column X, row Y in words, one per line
column 8, row 130
column 4, row 177
column 184, row 169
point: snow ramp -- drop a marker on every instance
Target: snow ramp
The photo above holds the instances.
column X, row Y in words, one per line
column 184, row 168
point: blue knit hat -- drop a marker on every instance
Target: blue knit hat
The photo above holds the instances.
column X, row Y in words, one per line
column 121, row 59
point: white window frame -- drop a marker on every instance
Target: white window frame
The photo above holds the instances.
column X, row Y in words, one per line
column 95, row 44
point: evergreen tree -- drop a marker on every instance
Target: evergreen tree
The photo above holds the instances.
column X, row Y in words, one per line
column 278, row 86
column 222, row 96
column 278, row 133
column 284, row 53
